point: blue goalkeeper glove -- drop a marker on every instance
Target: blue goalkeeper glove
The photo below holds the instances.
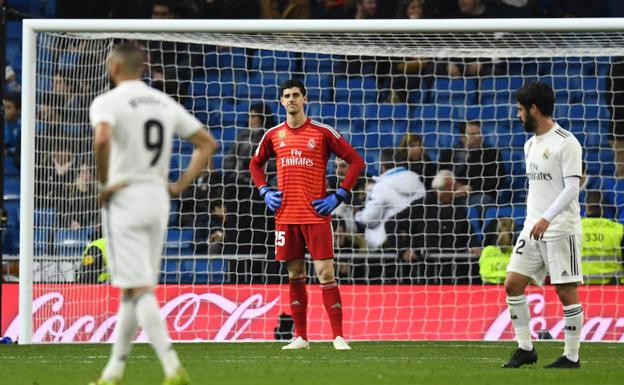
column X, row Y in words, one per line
column 273, row 199
column 328, row 204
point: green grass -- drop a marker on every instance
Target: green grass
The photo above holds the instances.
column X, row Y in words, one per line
column 264, row 363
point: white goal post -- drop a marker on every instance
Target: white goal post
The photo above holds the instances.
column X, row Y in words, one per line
column 589, row 44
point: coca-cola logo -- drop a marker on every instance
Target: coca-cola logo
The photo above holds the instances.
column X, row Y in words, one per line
column 227, row 312
column 183, row 311
column 594, row 327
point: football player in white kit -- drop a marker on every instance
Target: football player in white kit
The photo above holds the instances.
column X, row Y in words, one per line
column 550, row 240
column 133, row 130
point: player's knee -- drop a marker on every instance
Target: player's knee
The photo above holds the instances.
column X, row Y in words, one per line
column 567, row 294
column 513, row 287
column 326, row 275
column 296, row 275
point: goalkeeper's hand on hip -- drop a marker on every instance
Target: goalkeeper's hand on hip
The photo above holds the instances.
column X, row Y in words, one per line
column 273, row 199
column 326, row 205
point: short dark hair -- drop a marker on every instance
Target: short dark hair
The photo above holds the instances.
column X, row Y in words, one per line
column 593, row 203
column 264, row 110
column 14, row 98
column 293, row 83
column 463, row 125
column 538, row 93
column 391, row 158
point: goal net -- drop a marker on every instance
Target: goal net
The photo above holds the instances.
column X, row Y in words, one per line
column 409, row 96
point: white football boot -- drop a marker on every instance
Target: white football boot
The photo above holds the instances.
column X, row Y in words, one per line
column 297, row 343
column 341, row 344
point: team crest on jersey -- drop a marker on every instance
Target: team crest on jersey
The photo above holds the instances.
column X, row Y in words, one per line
column 546, row 154
column 311, row 144
column 282, row 134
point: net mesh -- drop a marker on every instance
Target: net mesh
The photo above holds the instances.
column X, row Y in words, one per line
column 407, row 92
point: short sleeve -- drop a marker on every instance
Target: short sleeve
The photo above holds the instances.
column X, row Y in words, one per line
column 186, row 124
column 571, row 159
column 101, row 112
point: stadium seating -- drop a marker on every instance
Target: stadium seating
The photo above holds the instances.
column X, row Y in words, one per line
column 233, row 78
column 179, row 242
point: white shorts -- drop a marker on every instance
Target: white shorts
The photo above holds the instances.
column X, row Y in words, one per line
column 135, row 225
column 560, row 258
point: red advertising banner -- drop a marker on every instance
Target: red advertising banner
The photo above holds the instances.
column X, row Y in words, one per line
column 66, row 313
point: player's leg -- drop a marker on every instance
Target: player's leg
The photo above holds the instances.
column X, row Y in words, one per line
column 565, row 274
column 148, row 308
column 526, row 263
column 125, row 328
column 319, row 238
column 289, row 247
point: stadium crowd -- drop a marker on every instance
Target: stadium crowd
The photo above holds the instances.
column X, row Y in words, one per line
column 444, row 213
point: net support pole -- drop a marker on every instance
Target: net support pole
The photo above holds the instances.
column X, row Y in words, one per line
column 27, row 194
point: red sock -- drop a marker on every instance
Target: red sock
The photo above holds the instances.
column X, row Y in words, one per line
column 299, row 306
column 333, row 306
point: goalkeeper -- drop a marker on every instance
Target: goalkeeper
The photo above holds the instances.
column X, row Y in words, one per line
column 302, row 209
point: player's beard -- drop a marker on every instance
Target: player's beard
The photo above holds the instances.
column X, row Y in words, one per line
column 294, row 111
column 529, row 123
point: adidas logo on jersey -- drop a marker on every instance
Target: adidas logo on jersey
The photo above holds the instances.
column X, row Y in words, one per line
column 282, row 144
column 295, row 303
column 564, row 274
column 337, row 305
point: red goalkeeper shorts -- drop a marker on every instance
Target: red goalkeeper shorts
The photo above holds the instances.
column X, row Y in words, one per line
column 291, row 240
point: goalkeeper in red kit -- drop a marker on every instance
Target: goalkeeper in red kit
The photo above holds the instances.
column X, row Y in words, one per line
column 302, row 147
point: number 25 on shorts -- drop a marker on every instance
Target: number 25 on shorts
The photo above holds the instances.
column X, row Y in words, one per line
column 280, row 238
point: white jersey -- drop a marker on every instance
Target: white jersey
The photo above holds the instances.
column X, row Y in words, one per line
column 143, row 122
column 550, row 158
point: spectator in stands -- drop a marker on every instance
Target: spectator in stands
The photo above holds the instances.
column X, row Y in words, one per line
column 576, row 8
column 10, row 79
column 330, row 9
column 479, row 169
column 162, row 9
column 411, row 9
column 80, row 201
column 195, row 199
column 252, row 219
column 495, row 256
column 518, row 8
column 346, row 242
column 12, row 123
column 615, row 99
column 218, row 235
column 603, row 243
column 170, row 62
column 408, row 73
column 438, row 224
column 290, row 9
column 58, row 171
column 470, row 67
column 230, row 9
column 475, row 9
column 365, row 9
column 236, row 162
column 394, row 190
column 418, row 161
column 346, row 211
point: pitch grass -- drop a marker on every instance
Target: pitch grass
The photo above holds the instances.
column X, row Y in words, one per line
column 393, row 363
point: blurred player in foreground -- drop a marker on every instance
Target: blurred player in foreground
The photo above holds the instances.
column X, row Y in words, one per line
column 133, row 130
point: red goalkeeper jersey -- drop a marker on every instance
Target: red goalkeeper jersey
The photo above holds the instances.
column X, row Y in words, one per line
column 301, row 156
